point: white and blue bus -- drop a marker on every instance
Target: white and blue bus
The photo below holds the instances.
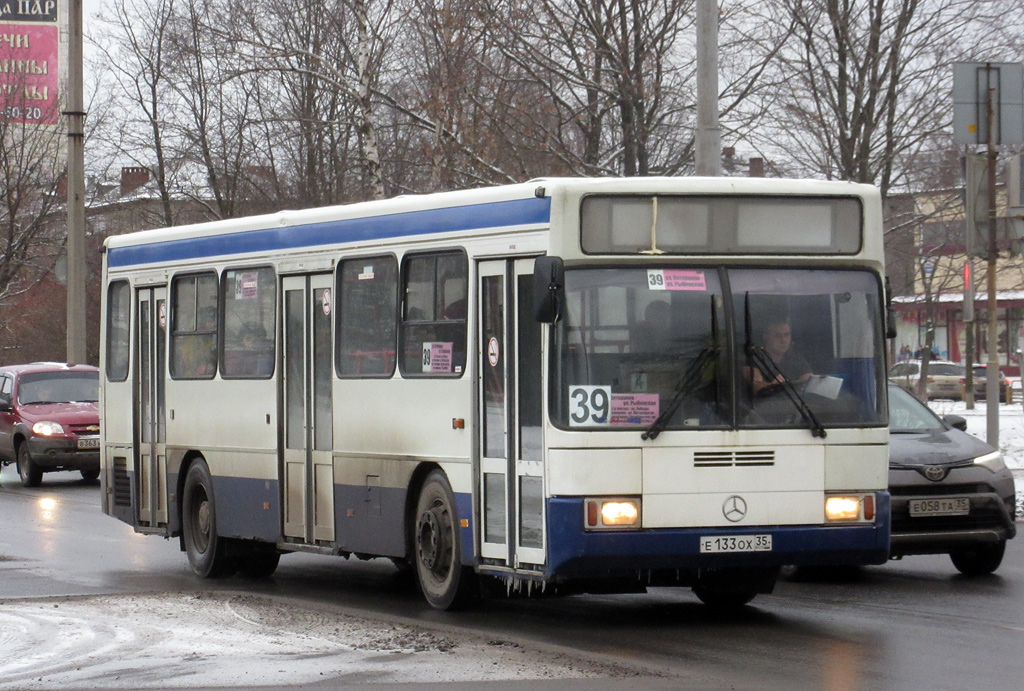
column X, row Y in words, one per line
column 561, row 385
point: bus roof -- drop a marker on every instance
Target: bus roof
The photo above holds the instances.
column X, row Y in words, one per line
column 525, row 204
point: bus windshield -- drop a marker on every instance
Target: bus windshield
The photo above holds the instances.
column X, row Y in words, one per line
column 706, row 348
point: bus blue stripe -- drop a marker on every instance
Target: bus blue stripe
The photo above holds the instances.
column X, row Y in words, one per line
column 477, row 216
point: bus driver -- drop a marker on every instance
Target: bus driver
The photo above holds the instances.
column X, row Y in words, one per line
column 777, row 338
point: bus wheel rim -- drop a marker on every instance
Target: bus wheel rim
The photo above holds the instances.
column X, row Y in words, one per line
column 433, row 543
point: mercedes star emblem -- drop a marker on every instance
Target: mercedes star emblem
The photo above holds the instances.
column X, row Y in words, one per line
column 734, row 508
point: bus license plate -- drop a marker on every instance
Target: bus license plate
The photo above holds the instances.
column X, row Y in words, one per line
column 89, row 442
column 736, row 543
column 942, row 506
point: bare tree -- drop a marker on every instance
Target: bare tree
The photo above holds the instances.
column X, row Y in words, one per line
column 867, row 83
column 136, row 50
column 30, row 168
column 216, row 121
column 32, row 231
column 326, row 57
column 614, row 71
column 31, row 164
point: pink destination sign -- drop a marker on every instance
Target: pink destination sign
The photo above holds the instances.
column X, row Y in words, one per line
column 675, row 279
column 634, row 408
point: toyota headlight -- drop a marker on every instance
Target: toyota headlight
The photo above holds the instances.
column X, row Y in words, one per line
column 993, row 461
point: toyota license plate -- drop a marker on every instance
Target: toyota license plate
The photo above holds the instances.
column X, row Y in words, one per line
column 736, row 543
column 940, row 506
column 88, row 442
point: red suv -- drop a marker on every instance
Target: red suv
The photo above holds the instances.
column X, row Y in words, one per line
column 50, row 419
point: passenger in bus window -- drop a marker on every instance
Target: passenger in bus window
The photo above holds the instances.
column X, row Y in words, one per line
column 456, row 310
column 199, row 355
column 777, row 340
column 252, row 354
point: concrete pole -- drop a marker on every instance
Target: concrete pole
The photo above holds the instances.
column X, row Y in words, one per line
column 708, row 148
column 76, row 305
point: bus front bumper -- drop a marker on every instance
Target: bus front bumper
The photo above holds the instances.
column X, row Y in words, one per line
column 577, row 553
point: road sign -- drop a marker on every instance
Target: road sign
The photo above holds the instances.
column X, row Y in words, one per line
column 972, row 84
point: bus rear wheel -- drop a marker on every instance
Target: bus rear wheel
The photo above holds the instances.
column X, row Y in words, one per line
column 256, row 565
column 444, row 582
column 207, row 553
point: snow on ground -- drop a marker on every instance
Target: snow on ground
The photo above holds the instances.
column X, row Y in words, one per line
column 181, row 640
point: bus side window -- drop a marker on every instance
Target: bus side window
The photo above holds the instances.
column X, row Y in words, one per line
column 250, row 297
column 433, row 329
column 194, row 320
column 368, row 316
column 118, row 337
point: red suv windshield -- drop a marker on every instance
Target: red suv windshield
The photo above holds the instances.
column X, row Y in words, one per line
column 58, row 387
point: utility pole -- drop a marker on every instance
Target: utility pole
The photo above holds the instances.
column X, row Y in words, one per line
column 992, row 346
column 988, row 108
column 968, row 314
column 708, row 148
column 76, row 303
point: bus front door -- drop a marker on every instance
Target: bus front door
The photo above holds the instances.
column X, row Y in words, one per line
column 150, row 411
column 511, row 491
column 308, row 466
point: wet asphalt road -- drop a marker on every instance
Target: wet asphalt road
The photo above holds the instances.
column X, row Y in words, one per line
column 913, row 624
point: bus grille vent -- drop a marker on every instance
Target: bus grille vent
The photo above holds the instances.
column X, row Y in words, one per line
column 730, row 459
column 122, row 484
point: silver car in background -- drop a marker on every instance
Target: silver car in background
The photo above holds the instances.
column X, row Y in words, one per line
column 945, row 379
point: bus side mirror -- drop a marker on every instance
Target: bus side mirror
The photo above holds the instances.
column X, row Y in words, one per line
column 548, row 289
column 890, row 322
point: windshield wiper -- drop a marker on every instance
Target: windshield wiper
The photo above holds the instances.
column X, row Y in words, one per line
column 771, row 373
column 691, row 379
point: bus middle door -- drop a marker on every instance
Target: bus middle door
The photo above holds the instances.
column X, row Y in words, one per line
column 150, row 410
column 511, row 492
column 308, row 472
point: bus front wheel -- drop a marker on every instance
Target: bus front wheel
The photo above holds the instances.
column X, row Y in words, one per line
column 723, row 599
column 444, row 582
column 206, row 550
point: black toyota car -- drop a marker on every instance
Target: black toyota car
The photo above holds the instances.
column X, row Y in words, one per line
column 951, row 492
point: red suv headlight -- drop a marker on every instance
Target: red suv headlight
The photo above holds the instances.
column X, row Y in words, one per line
column 45, row 428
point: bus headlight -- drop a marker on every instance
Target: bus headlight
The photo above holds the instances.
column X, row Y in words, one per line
column 612, row 513
column 850, row 507
column 47, row 429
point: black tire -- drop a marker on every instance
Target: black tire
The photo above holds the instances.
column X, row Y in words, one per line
column 258, row 564
column 31, row 474
column 723, row 599
column 437, row 550
column 207, row 553
column 978, row 561
column 91, row 475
